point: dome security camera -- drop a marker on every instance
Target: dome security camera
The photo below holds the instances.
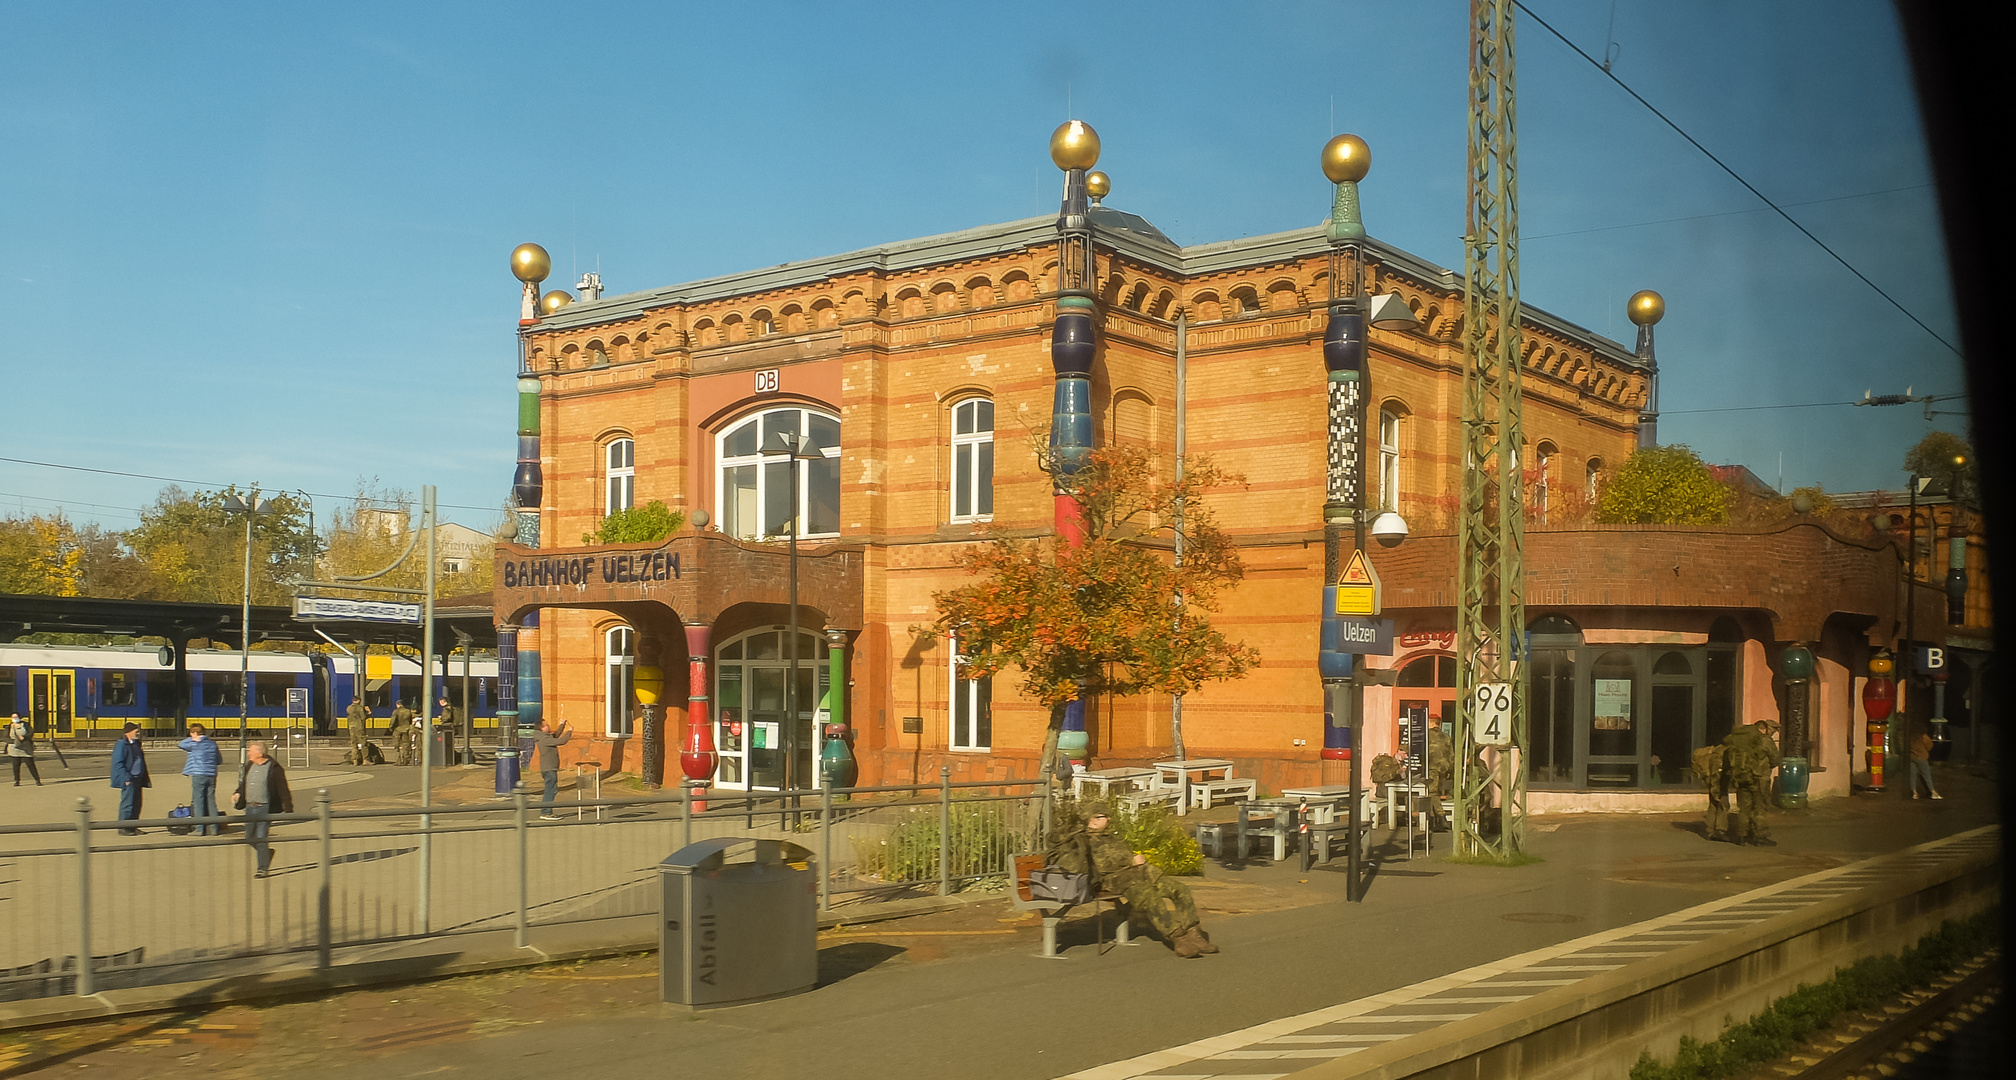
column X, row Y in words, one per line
column 1389, row 529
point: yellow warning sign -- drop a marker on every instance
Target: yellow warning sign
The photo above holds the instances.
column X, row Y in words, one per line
column 1358, row 587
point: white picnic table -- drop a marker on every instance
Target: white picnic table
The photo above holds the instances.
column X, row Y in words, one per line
column 1103, row 781
column 1194, row 778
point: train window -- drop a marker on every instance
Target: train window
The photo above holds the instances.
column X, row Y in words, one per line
column 220, row 689
column 269, row 691
column 160, row 690
column 119, row 690
column 9, row 694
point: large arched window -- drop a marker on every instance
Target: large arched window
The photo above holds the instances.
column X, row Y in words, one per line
column 973, row 460
column 620, row 460
column 620, row 655
column 753, row 480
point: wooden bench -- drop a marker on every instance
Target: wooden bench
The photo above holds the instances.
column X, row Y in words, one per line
column 1020, row 866
column 1202, row 792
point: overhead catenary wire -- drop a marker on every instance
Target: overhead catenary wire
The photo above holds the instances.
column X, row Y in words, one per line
column 206, row 484
column 1718, row 214
column 1738, row 177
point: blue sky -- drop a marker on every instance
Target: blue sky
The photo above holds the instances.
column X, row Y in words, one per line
column 269, row 242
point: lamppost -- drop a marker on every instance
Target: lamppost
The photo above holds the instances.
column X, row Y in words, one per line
column 251, row 506
column 1346, row 159
column 795, row 448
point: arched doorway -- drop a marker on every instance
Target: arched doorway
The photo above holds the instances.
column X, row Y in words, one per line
column 752, row 734
column 1425, row 688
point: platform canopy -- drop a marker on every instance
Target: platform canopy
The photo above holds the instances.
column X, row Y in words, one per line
column 22, row 615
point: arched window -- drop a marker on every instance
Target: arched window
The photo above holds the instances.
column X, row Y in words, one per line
column 620, row 656
column 1389, row 457
column 973, row 460
column 972, row 706
column 753, row 477
column 1591, row 474
column 621, row 461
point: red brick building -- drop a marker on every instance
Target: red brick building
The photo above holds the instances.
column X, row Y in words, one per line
column 921, row 369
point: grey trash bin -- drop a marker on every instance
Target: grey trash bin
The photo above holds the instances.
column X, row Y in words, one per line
column 738, row 923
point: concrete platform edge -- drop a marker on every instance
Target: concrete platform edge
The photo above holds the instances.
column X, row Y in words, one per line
column 1488, row 1037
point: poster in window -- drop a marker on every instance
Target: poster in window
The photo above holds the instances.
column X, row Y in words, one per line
column 1613, row 705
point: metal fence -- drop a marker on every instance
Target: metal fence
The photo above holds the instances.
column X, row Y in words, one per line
column 148, row 911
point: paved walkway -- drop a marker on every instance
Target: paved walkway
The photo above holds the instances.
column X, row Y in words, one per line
column 961, row 991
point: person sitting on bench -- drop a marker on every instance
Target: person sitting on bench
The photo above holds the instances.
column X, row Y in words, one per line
column 1117, row 868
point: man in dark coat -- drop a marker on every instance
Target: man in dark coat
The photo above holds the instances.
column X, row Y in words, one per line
column 129, row 775
column 1166, row 902
column 1753, row 754
column 549, row 742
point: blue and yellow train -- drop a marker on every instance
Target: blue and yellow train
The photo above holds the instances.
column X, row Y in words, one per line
column 73, row 691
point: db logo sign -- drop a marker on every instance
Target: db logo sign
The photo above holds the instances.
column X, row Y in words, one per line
column 766, row 381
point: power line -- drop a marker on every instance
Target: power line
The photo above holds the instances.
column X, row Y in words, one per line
column 1612, row 76
column 1721, row 213
column 206, row 484
column 1762, row 408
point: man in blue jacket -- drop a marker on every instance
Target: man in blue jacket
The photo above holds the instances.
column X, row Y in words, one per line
column 129, row 775
column 201, row 769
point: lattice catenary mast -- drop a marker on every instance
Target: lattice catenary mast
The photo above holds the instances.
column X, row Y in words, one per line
column 1491, row 605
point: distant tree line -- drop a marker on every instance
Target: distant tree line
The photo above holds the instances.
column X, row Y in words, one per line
column 188, row 547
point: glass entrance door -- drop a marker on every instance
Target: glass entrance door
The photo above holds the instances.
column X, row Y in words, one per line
column 52, row 699
column 752, row 732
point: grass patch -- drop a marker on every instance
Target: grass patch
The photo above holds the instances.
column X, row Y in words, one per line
column 1517, row 858
column 1873, row 980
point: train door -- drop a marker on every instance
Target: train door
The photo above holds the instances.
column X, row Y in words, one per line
column 52, row 701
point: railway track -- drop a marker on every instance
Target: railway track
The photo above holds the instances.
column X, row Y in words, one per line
column 1948, row 1029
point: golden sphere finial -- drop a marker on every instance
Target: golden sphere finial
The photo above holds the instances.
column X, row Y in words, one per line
column 555, row 300
column 1074, row 145
column 1346, row 157
column 1097, row 184
column 529, row 262
column 1645, row 307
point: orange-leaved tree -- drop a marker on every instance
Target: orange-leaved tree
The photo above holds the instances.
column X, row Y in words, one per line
column 1115, row 614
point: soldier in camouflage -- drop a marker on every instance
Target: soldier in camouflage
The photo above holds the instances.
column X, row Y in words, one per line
column 1711, row 767
column 402, row 732
column 1752, row 755
column 1441, row 770
column 359, row 717
column 1166, row 903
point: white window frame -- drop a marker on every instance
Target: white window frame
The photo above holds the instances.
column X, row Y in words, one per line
column 1544, row 458
column 619, row 461
column 978, row 445
column 619, row 657
column 977, row 694
column 723, row 463
column 1390, row 420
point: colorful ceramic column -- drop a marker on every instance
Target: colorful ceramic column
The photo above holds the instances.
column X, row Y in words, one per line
column 837, row 766
column 507, row 708
column 697, row 759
